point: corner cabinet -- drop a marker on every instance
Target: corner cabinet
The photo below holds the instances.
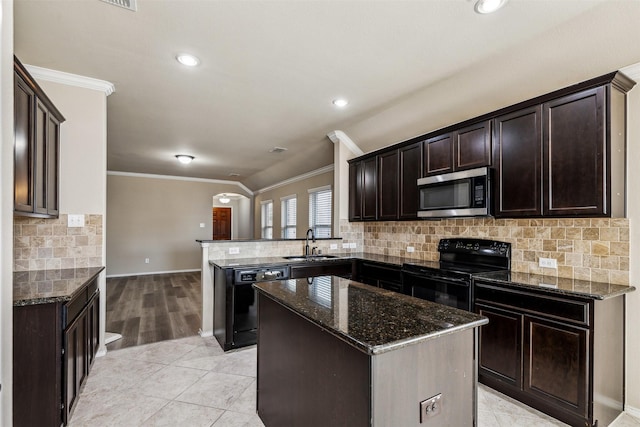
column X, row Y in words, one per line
column 36, row 148
column 54, row 347
column 560, row 354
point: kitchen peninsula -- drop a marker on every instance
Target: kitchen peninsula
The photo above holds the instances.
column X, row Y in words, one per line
column 339, row 352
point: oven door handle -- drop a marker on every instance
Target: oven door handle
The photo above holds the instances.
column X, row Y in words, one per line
column 455, row 280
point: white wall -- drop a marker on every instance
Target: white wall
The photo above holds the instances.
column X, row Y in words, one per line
column 158, row 217
column 633, row 299
column 83, row 160
column 6, row 210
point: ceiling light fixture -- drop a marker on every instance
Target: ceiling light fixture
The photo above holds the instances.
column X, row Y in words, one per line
column 488, row 6
column 187, row 59
column 184, row 158
column 340, row 102
column 224, row 199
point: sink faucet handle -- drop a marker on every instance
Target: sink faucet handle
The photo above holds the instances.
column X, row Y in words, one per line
column 314, row 250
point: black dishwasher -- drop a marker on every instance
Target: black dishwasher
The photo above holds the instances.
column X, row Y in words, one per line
column 235, row 317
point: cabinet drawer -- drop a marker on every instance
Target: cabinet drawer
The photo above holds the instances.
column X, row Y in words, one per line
column 74, row 307
column 528, row 302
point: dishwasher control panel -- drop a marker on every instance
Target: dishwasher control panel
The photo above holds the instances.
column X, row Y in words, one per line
column 261, row 274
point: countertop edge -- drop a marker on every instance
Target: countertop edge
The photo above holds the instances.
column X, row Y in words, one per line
column 61, row 298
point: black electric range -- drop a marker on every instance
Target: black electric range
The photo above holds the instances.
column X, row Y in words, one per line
column 448, row 281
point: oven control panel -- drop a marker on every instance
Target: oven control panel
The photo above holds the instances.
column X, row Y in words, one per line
column 475, row 246
column 262, row 274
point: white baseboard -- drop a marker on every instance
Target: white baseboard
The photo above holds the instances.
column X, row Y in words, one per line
column 147, row 273
column 205, row 334
column 634, row 412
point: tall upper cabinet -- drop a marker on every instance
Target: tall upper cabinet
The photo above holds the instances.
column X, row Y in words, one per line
column 36, row 148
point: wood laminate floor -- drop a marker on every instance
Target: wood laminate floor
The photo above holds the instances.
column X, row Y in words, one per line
column 152, row 308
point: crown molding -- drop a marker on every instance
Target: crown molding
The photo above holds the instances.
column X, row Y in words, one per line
column 632, row 71
column 304, row 176
column 71, row 79
column 181, row 178
column 339, row 136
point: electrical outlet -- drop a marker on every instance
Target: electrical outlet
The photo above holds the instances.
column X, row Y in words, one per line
column 345, row 246
column 410, row 249
column 146, row 260
column 548, row 262
column 430, row 407
column 333, row 246
column 75, row 220
column 352, row 245
column 234, row 251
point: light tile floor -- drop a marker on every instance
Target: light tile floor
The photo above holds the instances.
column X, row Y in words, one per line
column 191, row 382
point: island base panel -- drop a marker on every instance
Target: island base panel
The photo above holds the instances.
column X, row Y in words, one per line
column 306, row 376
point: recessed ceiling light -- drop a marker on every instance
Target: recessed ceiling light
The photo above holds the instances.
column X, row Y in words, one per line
column 488, row 6
column 184, row 158
column 340, row 102
column 187, row 59
column 278, row 150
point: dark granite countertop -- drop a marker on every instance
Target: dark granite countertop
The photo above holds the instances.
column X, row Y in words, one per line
column 278, row 260
column 50, row 286
column 371, row 319
column 556, row 285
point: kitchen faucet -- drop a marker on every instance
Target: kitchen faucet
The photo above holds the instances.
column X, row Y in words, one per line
column 306, row 242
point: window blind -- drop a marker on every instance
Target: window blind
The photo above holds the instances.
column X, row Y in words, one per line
column 267, row 219
column 289, row 217
column 320, row 211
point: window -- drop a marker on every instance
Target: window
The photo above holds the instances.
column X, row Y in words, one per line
column 267, row 219
column 320, row 211
column 289, row 206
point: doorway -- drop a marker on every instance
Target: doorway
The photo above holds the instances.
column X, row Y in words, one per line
column 221, row 224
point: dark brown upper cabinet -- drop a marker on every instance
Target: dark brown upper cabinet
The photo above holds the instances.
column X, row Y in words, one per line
column 438, row 154
column 575, row 154
column 388, row 185
column 464, row 148
column 563, row 157
column 560, row 154
column 410, row 171
column 517, row 139
column 36, row 148
column 363, row 177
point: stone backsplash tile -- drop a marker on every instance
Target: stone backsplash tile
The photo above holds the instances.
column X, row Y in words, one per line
column 585, row 248
column 40, row 244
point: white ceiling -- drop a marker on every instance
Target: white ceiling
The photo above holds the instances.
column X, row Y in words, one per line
column 270, row 69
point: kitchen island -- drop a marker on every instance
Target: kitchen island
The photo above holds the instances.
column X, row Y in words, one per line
column 336, row 352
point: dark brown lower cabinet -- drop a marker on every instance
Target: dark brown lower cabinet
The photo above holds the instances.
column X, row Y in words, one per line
column 559, row 354
column 379, row 274
column 54, row 346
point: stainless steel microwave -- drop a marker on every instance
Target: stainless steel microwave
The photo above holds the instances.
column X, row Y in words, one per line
column 458, row 194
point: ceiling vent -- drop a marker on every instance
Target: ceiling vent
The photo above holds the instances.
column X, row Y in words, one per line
column 127, row 4
column 277, row 150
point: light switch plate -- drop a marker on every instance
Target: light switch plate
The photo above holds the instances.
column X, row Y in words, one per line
column 202, row 225
column 333, row 246
column 345, row 246
column 352, row 245
column 410, row 249
column 75, row 220
column 548, row 262
column 234, row 251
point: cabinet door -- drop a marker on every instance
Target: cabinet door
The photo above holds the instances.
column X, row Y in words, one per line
column 40, row 161
column 518, row 163
column 500, row 345
column 575, row 154
column 388, row 185
column 53, row 162
column 355, row 191
column 472, row 146
column 438, row 154
column 369, row 188
column 75, row 362
column 93, row 329
column 410, row 171
column 555, row 363
column 23, row 146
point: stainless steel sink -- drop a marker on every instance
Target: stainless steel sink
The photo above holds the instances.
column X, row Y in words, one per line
column 309, row 257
